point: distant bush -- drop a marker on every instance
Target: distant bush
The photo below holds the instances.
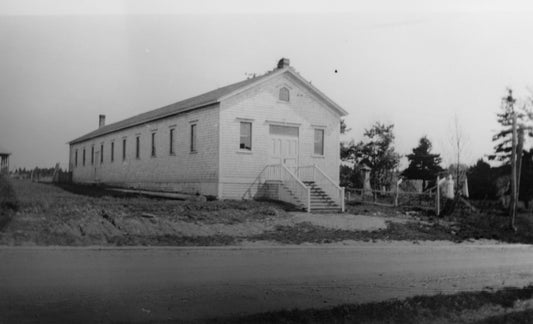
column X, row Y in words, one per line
column 8, row 201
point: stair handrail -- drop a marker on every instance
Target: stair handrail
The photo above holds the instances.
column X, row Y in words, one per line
column 302, row 191
column 337, row 194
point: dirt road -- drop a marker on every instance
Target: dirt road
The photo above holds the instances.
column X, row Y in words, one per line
column 145, row 284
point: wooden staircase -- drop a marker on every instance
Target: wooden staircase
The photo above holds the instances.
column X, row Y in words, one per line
column 320, row 201
column 307, row 187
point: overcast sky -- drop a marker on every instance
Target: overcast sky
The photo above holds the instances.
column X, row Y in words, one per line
column 417, row 65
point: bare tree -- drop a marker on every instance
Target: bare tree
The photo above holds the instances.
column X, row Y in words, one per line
column 458, row 142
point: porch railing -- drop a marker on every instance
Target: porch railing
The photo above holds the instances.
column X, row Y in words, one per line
column 279, row 172
column 315, row 174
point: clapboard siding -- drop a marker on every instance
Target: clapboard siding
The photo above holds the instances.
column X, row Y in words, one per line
column 260, row 106
column 183, row 171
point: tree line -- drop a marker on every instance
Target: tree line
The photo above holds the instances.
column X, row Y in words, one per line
column 377, row 152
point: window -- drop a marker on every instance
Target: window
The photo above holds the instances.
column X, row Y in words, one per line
column 193, row 138
column 112, row 151
column 138, row 147
column 171, row 141
column 101, row 153
column 92, row 155
column 246, row 136
column 319, row 141
column 123, row 149
column 153, row 144
column 84, row 156
column 76, row 158
column 284, row 94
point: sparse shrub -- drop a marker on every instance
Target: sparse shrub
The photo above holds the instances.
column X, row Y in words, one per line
column 8, row 201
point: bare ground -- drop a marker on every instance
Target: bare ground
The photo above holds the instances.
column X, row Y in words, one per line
column 90, row 215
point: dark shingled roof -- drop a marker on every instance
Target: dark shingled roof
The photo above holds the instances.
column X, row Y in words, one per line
column 202, row 100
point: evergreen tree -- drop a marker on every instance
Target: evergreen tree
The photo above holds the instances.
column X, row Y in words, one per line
column 423, row 164
column 481, row 181
column 503, row 139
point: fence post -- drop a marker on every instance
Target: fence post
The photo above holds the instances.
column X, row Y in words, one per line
column 396, row 194
column 437, row 197
column 342, row 199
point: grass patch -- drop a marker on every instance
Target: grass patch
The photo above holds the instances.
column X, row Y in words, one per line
column 309, row 233
column 494, row 224
column 521, row 317
column 8, row 201
column 91, row 215
column 173, row 240
column 457, row 308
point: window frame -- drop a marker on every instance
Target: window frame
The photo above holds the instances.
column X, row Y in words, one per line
column 92, row 155
column 153, row 152
column 194, row 138
column 322, row 141
column 124, row 149
column 101, row 153
column 138, row 147
column 250, row 136
column 171, row 140
column 76, row 158
column 282, row 92
column 84, row 156
column 112, row 154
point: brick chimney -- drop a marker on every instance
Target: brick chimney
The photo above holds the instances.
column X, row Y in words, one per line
column 283, row 63
column 101, row 121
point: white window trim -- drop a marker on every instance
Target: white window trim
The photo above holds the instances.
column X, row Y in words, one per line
column 195, row 124
column 244, row 151
column 323, row 129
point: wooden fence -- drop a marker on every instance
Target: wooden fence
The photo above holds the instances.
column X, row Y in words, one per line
column 423, row 200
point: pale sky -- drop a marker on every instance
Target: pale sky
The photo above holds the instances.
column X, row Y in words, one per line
column 416, row 65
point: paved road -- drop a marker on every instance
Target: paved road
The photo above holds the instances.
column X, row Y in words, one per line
column 139, row 285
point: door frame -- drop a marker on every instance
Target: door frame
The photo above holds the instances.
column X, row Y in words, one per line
column 270, row 137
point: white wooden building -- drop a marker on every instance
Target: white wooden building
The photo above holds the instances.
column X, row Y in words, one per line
column 273, row 136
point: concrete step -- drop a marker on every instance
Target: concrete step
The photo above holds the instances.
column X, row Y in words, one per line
column 325, row 210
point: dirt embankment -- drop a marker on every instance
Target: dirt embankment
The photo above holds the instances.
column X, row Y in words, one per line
column 89, row 215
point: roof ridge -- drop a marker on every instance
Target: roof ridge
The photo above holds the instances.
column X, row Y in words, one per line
column 201, row 100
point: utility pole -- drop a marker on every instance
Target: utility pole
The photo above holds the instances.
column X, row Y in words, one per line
column 514, row 195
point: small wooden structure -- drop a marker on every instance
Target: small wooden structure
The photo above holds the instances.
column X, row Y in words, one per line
column 4, row 161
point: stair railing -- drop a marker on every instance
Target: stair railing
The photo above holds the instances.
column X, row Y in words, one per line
column 281, row 173
column 322, row 180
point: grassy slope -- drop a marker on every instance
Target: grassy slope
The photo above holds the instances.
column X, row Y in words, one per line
column 502, row 306
column 89, row 215
column 8, row 201
column 49, row 215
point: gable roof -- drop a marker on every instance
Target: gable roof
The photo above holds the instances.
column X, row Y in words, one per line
column 203, row 100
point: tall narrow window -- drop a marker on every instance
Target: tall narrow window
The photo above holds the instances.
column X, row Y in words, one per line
column 101, row 153
column 193, row 138
column 284, row 94
column 112, row 151
column 83, row 156
column 138, row 147
column 246, row 136
column 171, row 141
column 123, row 149
column 319, row 141
column 92, row 155
column 153, row 144
column 76, row 158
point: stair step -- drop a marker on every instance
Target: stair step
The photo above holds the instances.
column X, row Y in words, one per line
column 326, row 210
